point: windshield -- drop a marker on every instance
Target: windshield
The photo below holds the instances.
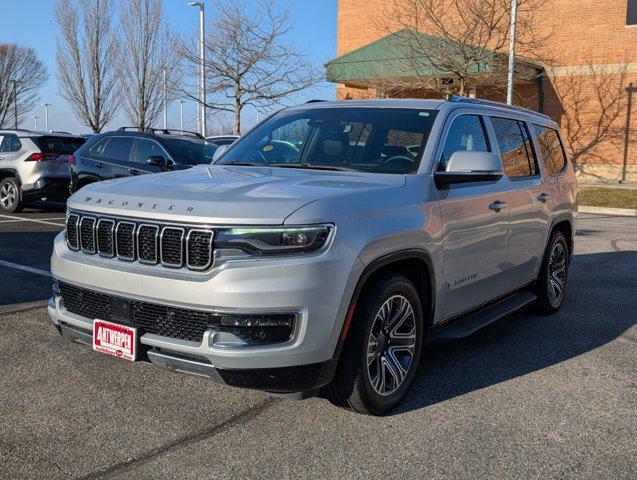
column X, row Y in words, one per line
column 190, row 152
column 383, row 140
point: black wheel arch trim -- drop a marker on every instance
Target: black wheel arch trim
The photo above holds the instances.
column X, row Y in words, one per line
column 560, row 219
column 373, row 267
column 13, row 172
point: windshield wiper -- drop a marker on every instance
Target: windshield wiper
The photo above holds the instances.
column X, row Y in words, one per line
column 311, row 166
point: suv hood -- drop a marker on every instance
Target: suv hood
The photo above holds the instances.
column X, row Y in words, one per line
column 222, row 194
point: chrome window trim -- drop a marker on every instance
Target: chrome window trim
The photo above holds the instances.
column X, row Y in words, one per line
column 157, row 252
column 181, row 250
column 97, row 237
column 77, row 231
column 210, row 250
column 79, row 239
column 134, row 232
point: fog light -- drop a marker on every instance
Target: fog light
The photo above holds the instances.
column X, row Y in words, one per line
column 259, row 329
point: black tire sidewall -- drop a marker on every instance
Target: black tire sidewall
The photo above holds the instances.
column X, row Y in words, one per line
column 394, row 285
column 544, row 303
column 17, row 205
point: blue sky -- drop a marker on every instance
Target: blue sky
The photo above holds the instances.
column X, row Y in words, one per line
column 31, row 24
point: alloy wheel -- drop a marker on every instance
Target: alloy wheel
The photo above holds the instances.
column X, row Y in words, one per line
column 557, row 273
column 391, row 345
column 8, row 195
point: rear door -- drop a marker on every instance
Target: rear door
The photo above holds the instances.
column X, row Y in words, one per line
column 475, row 224
column 118, row 156
column 10, row 150
column 529, row 208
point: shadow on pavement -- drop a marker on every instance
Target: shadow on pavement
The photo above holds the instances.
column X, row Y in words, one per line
column 600, row 306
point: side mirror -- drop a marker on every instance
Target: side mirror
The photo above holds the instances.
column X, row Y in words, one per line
column 159, row 161
column 218, row 152
column 466, row 167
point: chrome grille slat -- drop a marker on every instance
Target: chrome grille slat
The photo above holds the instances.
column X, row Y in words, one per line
column 169, row 245
column 147, row 244
column 105, row 241
column 87, row 234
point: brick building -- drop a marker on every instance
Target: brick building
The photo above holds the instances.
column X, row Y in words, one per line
column 590, row 87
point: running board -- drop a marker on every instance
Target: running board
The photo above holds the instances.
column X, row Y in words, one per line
column 464, row 327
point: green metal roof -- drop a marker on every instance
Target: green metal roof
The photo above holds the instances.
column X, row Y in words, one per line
column 392, row 57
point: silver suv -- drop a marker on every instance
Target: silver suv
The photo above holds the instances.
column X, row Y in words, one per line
column 324, row 249
column 33, row 166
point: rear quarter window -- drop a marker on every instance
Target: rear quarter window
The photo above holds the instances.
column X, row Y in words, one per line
column 551, row 149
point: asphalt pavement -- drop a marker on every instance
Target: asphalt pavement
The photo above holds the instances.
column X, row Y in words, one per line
column 528, row 397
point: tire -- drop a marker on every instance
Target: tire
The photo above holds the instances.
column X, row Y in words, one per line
column 360, row 385
column 10, row 196
column 550, row 286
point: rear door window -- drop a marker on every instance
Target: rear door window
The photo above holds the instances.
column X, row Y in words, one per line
column 551, row 149
column 119, row 148
column 515, row 147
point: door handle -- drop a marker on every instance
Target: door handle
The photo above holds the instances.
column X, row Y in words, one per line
column 134, row 171
column 99, row 165
column 543, row 198
column 1, row 158
column 497, row 206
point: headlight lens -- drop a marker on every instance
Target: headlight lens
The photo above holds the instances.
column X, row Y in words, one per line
column 274, row 240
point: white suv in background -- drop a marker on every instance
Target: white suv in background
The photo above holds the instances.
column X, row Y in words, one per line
column 33, row 166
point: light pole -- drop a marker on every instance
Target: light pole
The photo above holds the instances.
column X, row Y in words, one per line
column 15, row 103
column 202, row 63
column 35, row 123
column 165, row 100
column 514, row 15
column 46, row 116
column 181, row 115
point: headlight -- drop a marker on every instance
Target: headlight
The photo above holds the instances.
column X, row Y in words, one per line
column 274, row 240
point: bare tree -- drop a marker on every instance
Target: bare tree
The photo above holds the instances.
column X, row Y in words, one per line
column 593, row 106
column 445, row 45
column 22, row 74
column 250, row 59
column 146, row 41
column 87, row 57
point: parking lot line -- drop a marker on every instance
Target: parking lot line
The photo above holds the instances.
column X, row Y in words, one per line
column 22, row 219
column 24, row 268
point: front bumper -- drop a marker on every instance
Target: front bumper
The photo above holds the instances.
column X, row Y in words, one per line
column 318, row 287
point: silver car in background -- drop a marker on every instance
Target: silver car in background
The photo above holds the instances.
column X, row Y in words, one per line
column 34, row 166
column 324, row 249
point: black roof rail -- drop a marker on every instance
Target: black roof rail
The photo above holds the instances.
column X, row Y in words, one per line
column 491, row 103
column 161, row 131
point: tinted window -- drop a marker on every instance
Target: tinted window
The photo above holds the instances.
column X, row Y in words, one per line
column 631, row 14
column 60, row 145
column 119, row 148
column 190, row 152
column 515, row 148
column 466, row 134
column 550, row 149
column 99, row 148
column 147, row 148
column 364, row 139
column 10, row 143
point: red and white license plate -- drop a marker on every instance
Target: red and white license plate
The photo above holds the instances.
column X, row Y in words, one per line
column 115, row 339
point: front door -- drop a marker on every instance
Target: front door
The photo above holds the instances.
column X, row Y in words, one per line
column 475, row 226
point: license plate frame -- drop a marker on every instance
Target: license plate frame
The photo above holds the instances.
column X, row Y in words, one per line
column 114, row 339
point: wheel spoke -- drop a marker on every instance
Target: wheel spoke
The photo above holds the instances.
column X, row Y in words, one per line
column 395, row 371
column 378, row 382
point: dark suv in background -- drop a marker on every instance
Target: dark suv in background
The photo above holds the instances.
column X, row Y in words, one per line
column 128, row 152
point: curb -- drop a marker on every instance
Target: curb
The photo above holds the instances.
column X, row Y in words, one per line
column 622, row 212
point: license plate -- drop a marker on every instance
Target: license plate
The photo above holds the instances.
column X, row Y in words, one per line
column 114, row 339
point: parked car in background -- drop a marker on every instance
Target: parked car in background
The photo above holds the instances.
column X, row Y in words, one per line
column 397, row 222
column 33, row 166
column 128, row 152
column 223, row 139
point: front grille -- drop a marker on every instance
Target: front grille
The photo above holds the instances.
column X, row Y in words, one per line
column 105, row 244
column 71, row 231
column 125, row 241
column 172, row 246
column 162, row 320
column 87, row 234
